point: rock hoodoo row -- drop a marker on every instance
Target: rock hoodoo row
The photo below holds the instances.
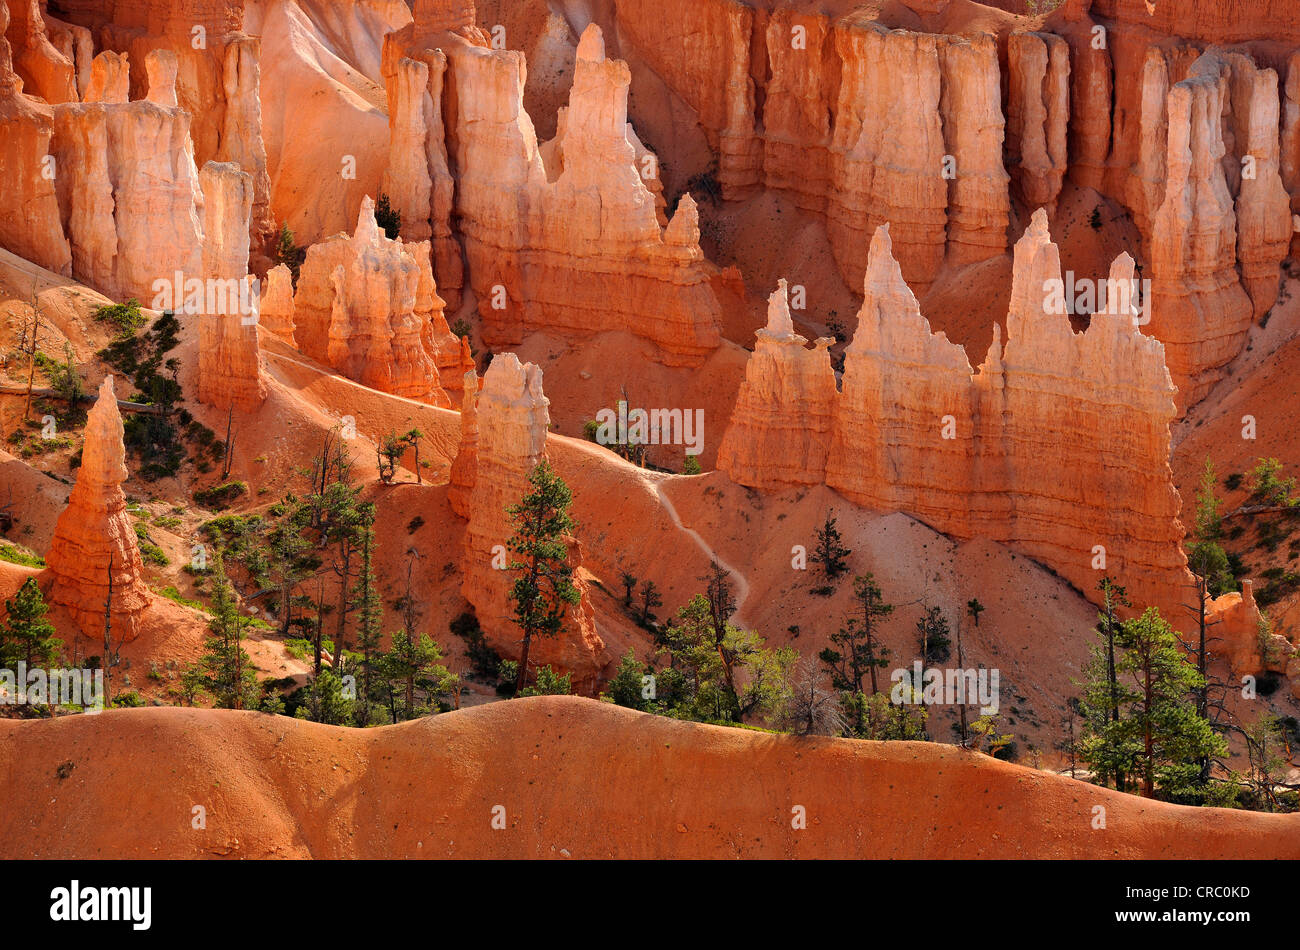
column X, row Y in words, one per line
column 572, row 244
column 1058, row 446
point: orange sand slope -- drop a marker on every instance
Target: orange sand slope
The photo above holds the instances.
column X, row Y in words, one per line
column 576, row 778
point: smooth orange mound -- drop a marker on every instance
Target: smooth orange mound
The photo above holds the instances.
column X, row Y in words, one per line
column 575, row 777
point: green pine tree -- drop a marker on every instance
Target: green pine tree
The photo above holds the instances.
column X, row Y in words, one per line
column 225, row 671
column 543, row 591
column 25, row 634
column 1153, row 730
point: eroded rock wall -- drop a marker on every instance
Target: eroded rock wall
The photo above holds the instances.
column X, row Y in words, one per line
column 1057, row 446
column 573, row 247
column 356, row 310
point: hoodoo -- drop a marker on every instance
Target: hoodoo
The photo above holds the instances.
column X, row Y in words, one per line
column 915, row 430
column 94, row 558
column 356, row 310
column 782, row 421
column 512, row 420
column 230, row 361
column 571, row 243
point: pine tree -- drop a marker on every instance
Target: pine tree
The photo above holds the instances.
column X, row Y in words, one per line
column 932, row 632
column 856, row 654
column 830, row 551
column 543, row 591
column 629, row 588
column 549, row 683
column 626, row 687
column 387, row 217
column 1158, row 733
column 25, row 634
column 226, row 672
column 1102, row 699
column 289, row 557
column 650, row 599
column 370, row 616
column 412, row 663
column 722, row 605
column 1211, row 577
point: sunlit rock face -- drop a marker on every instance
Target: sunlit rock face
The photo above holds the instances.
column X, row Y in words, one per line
column 94, row 546
column 1057, row 446
column 572, row 244
column 357, row 309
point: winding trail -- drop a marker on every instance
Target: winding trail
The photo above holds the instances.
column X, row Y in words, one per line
column 742, row 585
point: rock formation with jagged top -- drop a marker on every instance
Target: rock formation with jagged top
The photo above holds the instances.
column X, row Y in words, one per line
column 356, row 310
column 573, row 246
column 1058, row 446
column 94, row 543
column 785, row 408
column 30, row 225
column 129, row 190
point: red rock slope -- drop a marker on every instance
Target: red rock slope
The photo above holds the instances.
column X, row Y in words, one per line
column 575, row 777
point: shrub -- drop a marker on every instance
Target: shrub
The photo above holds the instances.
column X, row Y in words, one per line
column 219, row 497
column 126, row 318
column 387, row 217
column 18, row 556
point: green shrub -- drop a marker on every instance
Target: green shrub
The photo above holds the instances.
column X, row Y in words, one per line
column 219, row 497
column 18, row 556
column 126, row 318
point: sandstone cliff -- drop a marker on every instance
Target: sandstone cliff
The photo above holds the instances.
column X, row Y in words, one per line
column 1199, row 309
column 94, row 539
column 464, row 468
column 512, row 422
column 915, row 430
column 29, row 210
column 277, row 305
column 1290, row 167
column 128, row 191
column 449, row 352
column 241, row 134
column 356, row 310
column 418, row 181
column 47, row 72
column 1038, row 112
column 574, row 247
column 850, row 117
